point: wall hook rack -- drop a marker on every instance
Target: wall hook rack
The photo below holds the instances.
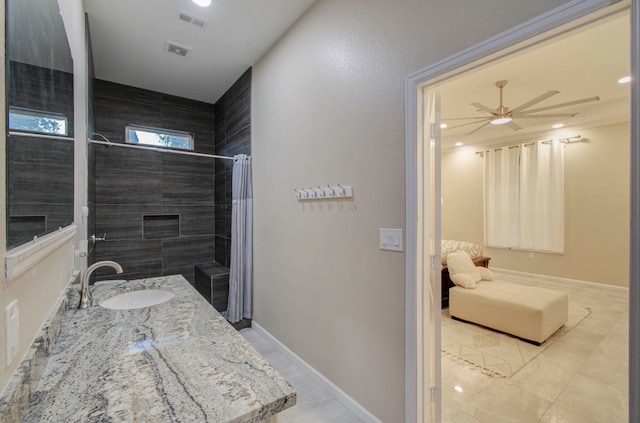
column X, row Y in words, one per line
column 329, row 192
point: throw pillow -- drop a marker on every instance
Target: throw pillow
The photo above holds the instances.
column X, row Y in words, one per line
column 462, row 271
column 463, row 280
column 485, row 274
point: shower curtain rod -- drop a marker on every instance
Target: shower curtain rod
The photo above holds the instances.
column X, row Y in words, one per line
column 36, row 135
column 159, row 150
column 567, row 140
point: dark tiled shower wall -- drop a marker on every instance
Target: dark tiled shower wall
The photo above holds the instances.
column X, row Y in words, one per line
column 116, row 106
column 233, row 136
column 157, row 209
column 40, row 187
column 39, row 171
column 36, row 88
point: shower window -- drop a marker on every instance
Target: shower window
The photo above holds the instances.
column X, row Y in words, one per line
column 37, row 121
column 159, row 137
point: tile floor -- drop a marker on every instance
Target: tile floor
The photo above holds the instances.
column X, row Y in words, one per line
column 580, row 378
column 314, row 405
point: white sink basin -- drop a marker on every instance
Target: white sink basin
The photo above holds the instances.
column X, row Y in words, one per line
column 137, row 299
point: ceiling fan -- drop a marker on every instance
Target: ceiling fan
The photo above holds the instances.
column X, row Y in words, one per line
column 504, row 116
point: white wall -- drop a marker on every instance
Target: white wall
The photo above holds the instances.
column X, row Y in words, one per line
column 596, row 208
column 327, row 107
column 38, row 289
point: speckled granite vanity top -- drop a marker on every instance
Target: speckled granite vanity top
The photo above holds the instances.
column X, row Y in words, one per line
column 179, row 361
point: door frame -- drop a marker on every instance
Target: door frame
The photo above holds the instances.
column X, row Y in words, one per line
column 531, row 32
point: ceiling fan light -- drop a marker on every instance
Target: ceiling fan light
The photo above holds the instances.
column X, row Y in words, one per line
column 501, row 120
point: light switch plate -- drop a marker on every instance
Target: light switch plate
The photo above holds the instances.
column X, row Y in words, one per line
column 12, row 330
column 391, row 239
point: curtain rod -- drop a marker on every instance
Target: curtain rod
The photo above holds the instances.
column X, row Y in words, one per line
column 160, row 150
column 567, row 140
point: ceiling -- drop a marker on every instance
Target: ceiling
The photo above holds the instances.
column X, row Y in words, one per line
column 583, row 63
column 129, row 39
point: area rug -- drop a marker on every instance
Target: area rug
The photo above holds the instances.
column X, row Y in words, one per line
column 495, row 353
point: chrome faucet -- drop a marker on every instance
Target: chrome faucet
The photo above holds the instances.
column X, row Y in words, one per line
column 85, row 294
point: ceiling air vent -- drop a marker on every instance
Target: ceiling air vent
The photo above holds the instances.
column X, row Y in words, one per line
column 190, row 19
column 177, row 49
column 198, row 22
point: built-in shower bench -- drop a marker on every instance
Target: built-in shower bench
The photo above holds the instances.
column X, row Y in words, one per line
column 212, row 282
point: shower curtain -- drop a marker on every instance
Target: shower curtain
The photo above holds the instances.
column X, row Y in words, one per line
column 241, row 267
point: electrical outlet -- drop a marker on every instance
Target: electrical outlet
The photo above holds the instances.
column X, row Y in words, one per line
column 12, row 330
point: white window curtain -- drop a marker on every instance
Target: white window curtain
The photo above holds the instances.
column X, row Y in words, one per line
column 241, row 266
column 524, row 197
column 502, row 205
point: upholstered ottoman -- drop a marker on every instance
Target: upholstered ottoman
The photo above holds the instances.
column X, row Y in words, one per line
column 528, row 312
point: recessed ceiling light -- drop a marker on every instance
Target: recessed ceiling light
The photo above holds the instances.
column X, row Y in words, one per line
column 443, row 125
column 459, row 144
column 202, row 3
column 557, row 125
column 624, row 80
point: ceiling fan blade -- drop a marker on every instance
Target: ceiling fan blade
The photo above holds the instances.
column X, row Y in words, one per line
column 549, row 115
column 466, row 118
column 479, row 128
column 469, row 123
column 513, row 126
column 557, row 106
column 535, row 101
column 484, row 108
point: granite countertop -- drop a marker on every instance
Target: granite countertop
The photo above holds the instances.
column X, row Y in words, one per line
column 179, row 361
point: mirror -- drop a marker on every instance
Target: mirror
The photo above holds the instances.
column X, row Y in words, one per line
column 40, row 121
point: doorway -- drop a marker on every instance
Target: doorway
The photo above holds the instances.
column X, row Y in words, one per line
column 423, row 351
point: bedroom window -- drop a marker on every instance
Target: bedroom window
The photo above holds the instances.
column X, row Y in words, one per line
column 524, row 197
column 159, row 137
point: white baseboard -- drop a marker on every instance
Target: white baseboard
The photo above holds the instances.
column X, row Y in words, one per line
column 319, row 378
column 560, row 280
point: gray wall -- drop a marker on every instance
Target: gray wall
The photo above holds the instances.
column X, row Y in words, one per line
column 33, row 87
column 40, row 177
column 163, row 213
column 233, row 136
column 39, row 171
column 157, row 209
